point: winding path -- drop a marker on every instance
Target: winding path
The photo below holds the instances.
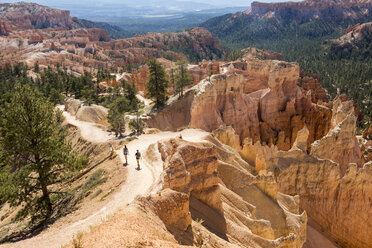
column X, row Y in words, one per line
column 137, row 183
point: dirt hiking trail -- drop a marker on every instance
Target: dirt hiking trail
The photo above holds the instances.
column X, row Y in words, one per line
column 138, row 183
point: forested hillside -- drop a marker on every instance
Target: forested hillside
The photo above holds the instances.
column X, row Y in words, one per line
column 114, row 31
column 308, row 43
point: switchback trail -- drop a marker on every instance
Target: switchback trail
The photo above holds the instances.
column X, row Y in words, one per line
column 138, row 183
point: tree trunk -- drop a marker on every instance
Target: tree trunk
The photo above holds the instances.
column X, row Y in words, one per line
column 44, row 188
column 46, row 199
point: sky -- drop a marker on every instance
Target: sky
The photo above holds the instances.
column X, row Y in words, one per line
column 220, row 3
column 225, row 3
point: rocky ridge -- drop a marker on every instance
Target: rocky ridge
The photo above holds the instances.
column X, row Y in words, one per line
column 199, row 183
column 308, row 10
column 259, row 99
column 235, row 191
column 33, row 33
column 275, row 117
column 331, row 181
column 354, row 37
column 22, row 16
column 83, row 49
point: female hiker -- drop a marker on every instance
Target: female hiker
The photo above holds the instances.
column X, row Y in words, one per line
column 125, row 151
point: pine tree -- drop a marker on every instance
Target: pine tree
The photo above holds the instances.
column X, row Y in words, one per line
column 36, row 67
column 130, row 93
column 34, row 152
column 116, row 119
column 173, row 80
column 116, row 115
column 137, row 124
column 88, row 94
column 157, row 84
column 183, row 78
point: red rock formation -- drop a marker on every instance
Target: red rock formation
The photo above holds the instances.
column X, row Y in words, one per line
column 191, row 169
column 143, row 47
column 334, row 195
column 366, row 148
column 21, row 16
column 140, row 78
column 93, row 34
column 338, row 204
column 204, row 70
column 352, row 36
column 336, row 190
column 211, row 182
column 83, row 49
column 367, row 133
column 251, row 53
column 311, row 83
column 4, row 28
column 37, row 38
column 172, row 207
column 357, row 111
column 262, row 101
column 340, row 144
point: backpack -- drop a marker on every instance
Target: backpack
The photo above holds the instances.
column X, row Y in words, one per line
column 138, row 155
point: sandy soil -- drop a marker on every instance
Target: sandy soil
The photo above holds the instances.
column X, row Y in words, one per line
column 317, row 239
column 146, row 101
column 138, row 183
column 89, row 131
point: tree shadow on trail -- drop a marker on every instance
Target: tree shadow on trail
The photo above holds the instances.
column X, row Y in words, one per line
column 64, row 203
column 37, row 224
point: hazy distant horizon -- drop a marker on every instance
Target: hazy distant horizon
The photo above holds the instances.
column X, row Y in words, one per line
column 216, row 3
column 147, row 15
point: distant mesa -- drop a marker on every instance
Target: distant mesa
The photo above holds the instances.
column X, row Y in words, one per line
column 307, row 10
column 22, row 16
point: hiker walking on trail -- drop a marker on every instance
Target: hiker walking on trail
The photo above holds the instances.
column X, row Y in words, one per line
column 125, row 151
column 138, row 156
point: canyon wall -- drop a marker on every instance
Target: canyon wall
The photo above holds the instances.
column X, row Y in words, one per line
column 209, row 181
column 259, row 99
column 340, row 144
column 21, row 16
column 334, row 181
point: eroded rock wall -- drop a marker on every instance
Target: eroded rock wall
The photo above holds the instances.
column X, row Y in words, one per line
column 209, row 181
column 20, row 16
column 192, row 169
column 174, row 116
column 334, row 186
column 259, row 99
column 340, row 205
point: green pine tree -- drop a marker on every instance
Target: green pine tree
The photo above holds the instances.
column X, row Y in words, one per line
column 183, row 78
column 89, row 95
column 36, row 67
column 116, row 115
column 173, row 80
column 130, row 93
column 137, row 124
column 34, row 152
column 157, row 84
